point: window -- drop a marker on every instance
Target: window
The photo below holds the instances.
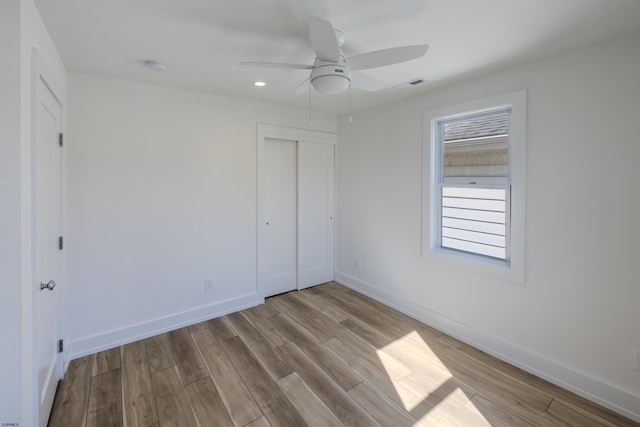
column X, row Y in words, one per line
column 473, row 183
column 474, row 189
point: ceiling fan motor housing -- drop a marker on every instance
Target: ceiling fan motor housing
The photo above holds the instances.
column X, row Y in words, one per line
column 330, row 77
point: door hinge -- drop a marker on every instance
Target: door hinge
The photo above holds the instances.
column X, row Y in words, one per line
column 60, row 242
column 60, row 139
column 60, row 346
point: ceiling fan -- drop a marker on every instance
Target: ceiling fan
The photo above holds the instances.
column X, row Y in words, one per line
column 331, row 72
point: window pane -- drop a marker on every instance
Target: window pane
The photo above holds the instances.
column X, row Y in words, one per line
column 474, row 220
column 476, row 148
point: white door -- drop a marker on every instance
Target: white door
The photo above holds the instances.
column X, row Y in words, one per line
column 280, row 217
column 315, row 214
column 47, row 219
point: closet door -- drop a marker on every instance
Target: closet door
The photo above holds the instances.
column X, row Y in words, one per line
column 280, row 217
column 316, row 243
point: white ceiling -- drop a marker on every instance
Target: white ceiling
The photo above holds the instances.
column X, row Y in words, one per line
column 202, row 41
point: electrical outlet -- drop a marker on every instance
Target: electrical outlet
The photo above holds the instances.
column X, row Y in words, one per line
column 358, row 263
column 637, row 358
column 208, row 284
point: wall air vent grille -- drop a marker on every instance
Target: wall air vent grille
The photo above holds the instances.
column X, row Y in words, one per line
column 417, row 81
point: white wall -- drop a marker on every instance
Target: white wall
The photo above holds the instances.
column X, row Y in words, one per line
column 576, row 320
column 161, row 196
column 21, row 30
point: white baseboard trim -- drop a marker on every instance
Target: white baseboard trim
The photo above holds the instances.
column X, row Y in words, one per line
column 620, row 401
column 110, row 339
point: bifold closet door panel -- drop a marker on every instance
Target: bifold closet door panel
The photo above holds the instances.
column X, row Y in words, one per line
column 316, row 243
column 280, row 223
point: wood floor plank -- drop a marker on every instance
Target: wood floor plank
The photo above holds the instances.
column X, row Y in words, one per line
column 357, row 309
column 275, row 406
column 319, row 324
column 188, row 359
column 573, row 417
column 239, row 402
column 221, row 328
column 139, row 405
column 294, row 303
column 394, row 369
column 208, row 408
column 72, row 397
column 376, row 305
column 367, row 334
column 308, row 404
column 197, row 327
column 262, row 311
column 106, row 361
column 437, row 385
column 260, row 422
column 336, row 399
column 320, row 332
column 496, row 414
column 105, row 400
column 257, row 379
column 332, row 287
column 264, row 324
column 379, row 379
column 311, row 297
column 172, row 403
column 590, row 409
column 449, row 409
column 272, row 362
column 283, row 414
column 333, row 366
column 402, row 327
column 370, row 307
column 451, row 401
column 159, row 353
column 380, row 408
column 324, row 321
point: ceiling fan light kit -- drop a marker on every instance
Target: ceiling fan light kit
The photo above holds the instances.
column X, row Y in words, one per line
column 331, row 71
column 330, row 78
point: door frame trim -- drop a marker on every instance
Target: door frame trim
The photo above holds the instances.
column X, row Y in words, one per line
column 264, row 132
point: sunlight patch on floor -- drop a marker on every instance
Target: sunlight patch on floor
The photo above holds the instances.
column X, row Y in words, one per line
column 403, row 359
column 424, row 384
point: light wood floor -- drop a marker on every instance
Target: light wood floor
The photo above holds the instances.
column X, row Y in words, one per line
column 325, row 356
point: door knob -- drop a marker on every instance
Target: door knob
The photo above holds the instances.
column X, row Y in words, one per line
column 49, row 285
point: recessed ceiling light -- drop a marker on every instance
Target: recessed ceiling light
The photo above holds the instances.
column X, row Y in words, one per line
column 156, row 66
column 259, row 84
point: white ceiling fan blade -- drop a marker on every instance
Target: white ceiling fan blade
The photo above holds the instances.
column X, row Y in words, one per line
column 276, row 65
column 302, row 87
column 323, row 39
column 362, row 81
column 381, row 58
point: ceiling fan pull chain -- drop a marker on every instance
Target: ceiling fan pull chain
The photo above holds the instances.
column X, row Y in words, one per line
column 309, row 104
column 350, row 116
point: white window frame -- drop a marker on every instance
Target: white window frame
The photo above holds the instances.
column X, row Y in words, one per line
column 513, row 269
